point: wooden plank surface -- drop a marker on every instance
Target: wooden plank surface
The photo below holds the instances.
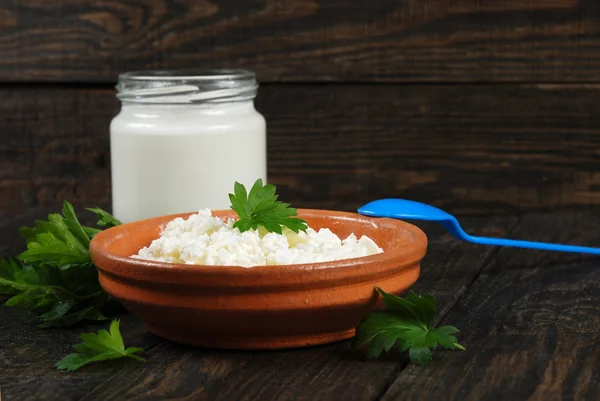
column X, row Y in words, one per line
column 475, row 149
column 529, row 323
column 300, row 40
column 177, row 372
column 28, row 355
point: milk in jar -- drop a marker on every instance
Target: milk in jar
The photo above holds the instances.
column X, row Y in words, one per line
column 181, row 140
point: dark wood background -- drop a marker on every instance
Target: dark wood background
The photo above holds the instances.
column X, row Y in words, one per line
column 481, row 107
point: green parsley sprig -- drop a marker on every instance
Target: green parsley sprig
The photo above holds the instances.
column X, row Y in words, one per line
column 260, row 207
column 407, row 324
column 102, row 346
column 55, row 277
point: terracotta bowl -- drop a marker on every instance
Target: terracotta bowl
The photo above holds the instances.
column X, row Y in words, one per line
column 261, row 307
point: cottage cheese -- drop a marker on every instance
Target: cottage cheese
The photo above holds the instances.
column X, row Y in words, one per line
column 207, row 240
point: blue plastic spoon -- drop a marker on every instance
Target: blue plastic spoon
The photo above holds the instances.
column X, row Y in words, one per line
column 409, row 210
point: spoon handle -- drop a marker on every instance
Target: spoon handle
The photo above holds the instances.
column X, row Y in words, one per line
column 533, row 245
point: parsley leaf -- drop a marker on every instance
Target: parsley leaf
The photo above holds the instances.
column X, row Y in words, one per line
column 55, row 277
column 102, row 346
column 74, row 226
column 59, row 297
column 105, row 219
column 260, row 207
column 407, row 324
column 59, row 241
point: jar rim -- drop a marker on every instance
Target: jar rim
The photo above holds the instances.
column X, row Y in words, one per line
column 187, row 74
column 187, row 86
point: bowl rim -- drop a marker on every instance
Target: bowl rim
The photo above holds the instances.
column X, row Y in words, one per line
column 281, row 276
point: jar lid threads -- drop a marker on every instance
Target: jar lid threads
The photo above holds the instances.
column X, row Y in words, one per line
column 187, row 86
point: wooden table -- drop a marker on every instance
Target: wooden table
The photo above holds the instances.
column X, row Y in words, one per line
column 530, row 321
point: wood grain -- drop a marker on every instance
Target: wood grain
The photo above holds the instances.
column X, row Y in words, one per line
column 470, row 149
column 475, row 149
column 28, row 355
column 300, row 40
column 316, row 373
column 529, row 323
column 53, row 147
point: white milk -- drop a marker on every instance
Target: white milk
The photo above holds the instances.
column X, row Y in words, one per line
column 173, row 158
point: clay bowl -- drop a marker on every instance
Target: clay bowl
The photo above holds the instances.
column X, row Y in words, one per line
column 262, row 307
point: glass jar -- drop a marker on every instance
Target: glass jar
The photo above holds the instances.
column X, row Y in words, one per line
column 181, row 140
